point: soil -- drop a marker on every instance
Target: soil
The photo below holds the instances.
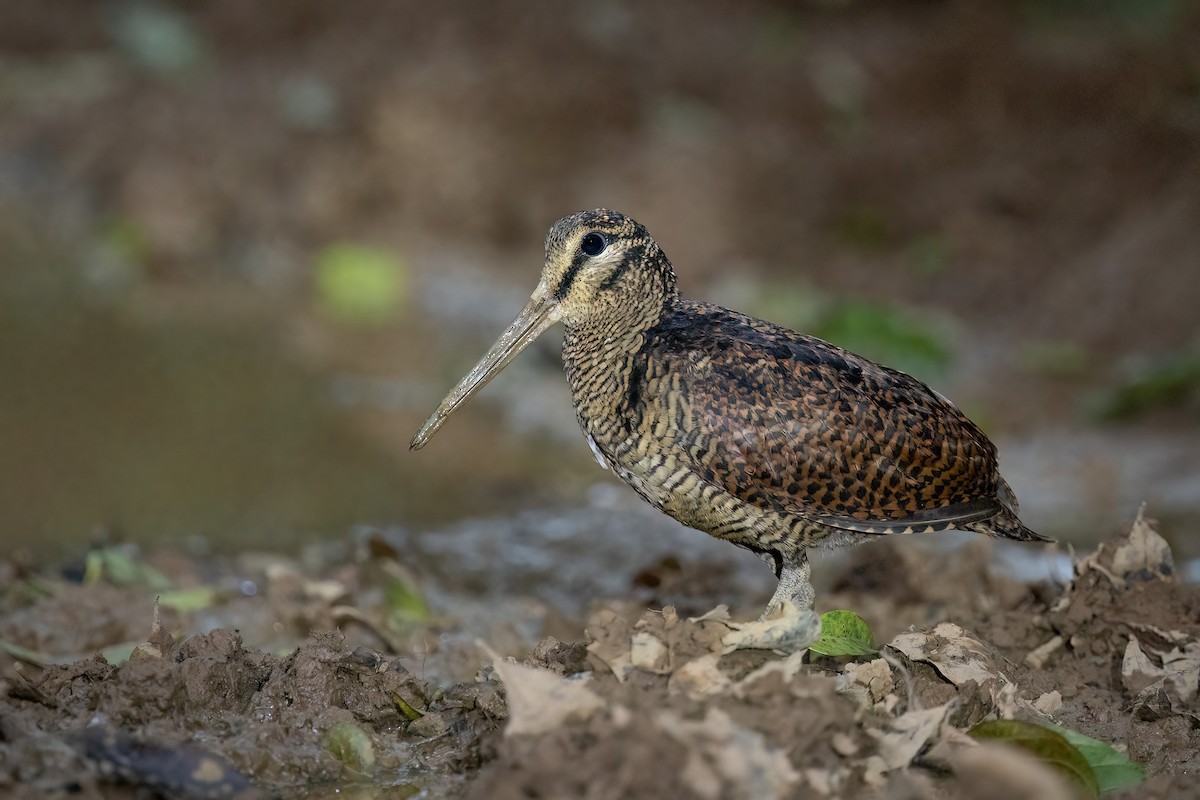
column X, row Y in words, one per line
column 642, row 702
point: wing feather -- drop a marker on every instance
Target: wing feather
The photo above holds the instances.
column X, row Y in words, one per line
column 792, row 423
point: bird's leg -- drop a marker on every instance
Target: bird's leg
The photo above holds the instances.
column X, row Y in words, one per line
column 789, row 624
column 795, row 586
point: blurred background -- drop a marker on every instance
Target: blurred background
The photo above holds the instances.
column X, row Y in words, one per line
column 245, row 248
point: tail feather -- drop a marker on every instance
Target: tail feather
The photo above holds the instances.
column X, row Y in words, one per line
column 1005, row 525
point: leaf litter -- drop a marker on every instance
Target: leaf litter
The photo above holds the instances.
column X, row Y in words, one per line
column 649, row 703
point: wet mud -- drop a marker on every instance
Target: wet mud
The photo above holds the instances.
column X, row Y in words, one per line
column 640, row 702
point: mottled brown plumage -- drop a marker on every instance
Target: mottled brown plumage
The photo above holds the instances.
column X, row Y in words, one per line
column 771, row 439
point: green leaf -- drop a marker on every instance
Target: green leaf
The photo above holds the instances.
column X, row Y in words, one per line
column 1173, row 380
column 1061, row 359
column 185, row 600
column 352, row 746
column 118, row 654
column 359, row 285
column 159, row 38
column 404, row 602
column 406, row 708
column 914, row 342
column 844, row 633
column 22, row 653
column 1113, row 768
column 1050, row 747
column 120, row 564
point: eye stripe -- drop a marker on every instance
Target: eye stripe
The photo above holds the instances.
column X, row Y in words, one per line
column 634, row 254
column 570, row 275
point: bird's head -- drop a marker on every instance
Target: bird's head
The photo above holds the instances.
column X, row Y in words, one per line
column 601, row 266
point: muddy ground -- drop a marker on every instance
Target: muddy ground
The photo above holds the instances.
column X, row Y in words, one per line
column 382, row 698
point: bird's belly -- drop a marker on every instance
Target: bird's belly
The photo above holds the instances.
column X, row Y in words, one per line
column 679, row 492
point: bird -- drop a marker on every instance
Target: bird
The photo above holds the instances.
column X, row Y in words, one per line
column 770, row 439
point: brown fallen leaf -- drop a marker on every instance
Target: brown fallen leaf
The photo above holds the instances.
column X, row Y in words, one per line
column 791, row 632
column 904, row 737
column 956, row 655
column 611, row 643
column 1137, row 670
column 870, row 682
column 786, row 668
column 1143, row 554
column 700, row 677
column 538, row 699
column 649, row 653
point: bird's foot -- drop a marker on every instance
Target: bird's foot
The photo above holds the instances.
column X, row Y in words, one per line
column 791, row 630
column 795, row 588
column 789, row 622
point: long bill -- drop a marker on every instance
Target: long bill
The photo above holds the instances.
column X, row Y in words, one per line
column 538, row 315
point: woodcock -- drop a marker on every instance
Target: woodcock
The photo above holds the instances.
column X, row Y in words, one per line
column 748, row 431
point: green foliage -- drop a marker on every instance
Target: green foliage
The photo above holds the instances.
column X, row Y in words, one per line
column 918, row 343
column 352, row 746
column 126, row 237
column 118, row 654
column 404, row 601
column 160, row 38
column 1093, row 765
column 406, row 708
column 360, row 285
column 1050, row 747
column 196, row 598
column 888, row 335
column 844, row 633
column 1112, row 768
column 1061, row 359
column 121, row 567
column 1169, row 381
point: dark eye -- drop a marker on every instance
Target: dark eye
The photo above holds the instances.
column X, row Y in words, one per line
column 593, row 244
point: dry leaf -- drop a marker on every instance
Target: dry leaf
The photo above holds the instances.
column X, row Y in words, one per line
column 700, row 677
column 1143, row 554
column 908, row 734
column 718, row 614
column 787, row 669
column 1137, row 671
column 1182, row 669
column 611, row 643
column 871, row 681
column 956, row 655
column 794, row 630
column 538, row 699
column 1162, row 690
column 647, row 652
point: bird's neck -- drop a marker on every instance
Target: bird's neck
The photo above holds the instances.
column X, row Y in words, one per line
column 599, row 355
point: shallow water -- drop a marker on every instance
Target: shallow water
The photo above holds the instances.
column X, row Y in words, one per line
column 219, row 435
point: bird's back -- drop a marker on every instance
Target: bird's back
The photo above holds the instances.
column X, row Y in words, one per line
column 793, row 425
